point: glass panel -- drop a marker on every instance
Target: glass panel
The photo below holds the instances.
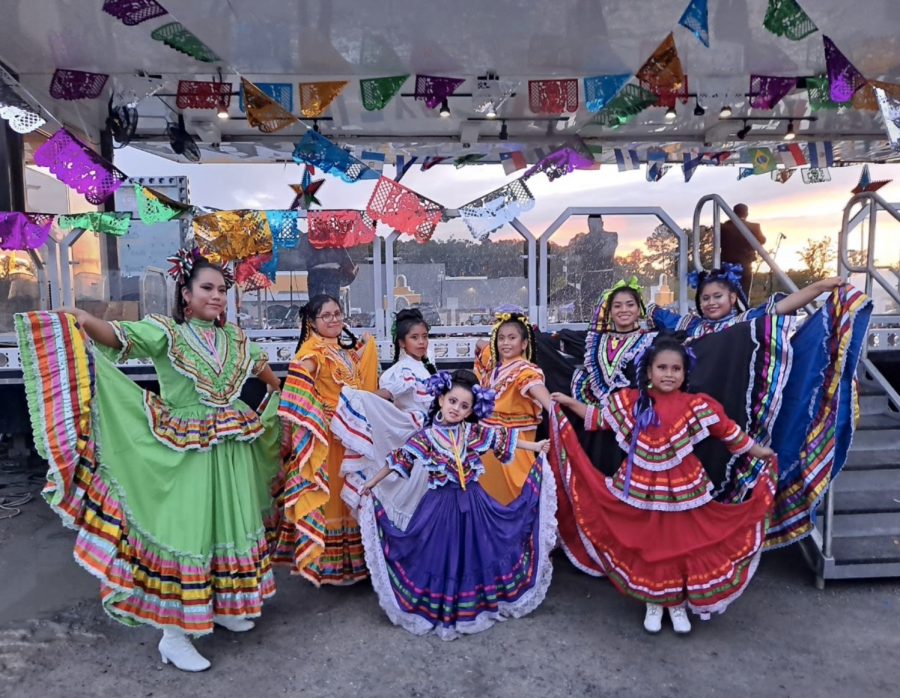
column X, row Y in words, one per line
column 304, row 272
column 18, row 287
column 588, row 254
column 457, row 281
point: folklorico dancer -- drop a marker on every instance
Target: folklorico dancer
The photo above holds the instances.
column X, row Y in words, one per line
column 319, row 537
column 463, row 561
column 169, row 493
column 654, row 526
column 506, row 366
column 812, row 415
column 372, row 425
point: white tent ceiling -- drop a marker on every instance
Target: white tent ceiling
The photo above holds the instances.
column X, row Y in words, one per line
column 294, row 41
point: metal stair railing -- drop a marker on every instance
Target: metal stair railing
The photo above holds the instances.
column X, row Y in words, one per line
column 871, row 203
column 719, row 207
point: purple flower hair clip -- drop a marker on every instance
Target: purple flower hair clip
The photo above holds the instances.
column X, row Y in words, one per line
column 439, row 383
column 484, row 401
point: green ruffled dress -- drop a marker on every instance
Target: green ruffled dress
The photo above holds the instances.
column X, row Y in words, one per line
column 170, row 493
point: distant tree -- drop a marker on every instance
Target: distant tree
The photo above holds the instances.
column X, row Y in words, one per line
column 662, row 252
column 818, row 257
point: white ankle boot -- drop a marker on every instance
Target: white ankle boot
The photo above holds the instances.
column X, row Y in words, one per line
column 235, row 625
column 176, row 647
column 653, row 618
column 680, row 620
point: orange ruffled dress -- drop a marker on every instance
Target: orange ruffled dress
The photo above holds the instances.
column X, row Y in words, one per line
column 513, row 409
column 318, row 536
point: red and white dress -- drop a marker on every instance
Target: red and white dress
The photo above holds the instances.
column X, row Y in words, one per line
column 666, row 541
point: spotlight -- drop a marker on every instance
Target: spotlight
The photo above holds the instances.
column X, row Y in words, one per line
column 316, row 125
column 742, row 134
column 698, row 110
column 491, row 112
column 789, row 134
column 670, row 114
column 504, row 134
column 725, row 113
column 222, row 110
column 445, row 109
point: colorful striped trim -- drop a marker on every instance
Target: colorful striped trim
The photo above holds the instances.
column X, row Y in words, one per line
column 668, row 450
column 803, row 484
column 59, row 384
column 142, row 581
column 200, row 433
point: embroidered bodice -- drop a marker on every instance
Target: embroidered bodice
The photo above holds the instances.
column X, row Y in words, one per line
column 452, row 454
column 406, row 381
column 608, row 363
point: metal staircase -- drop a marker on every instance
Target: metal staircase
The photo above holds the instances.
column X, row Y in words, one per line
column 857, row 533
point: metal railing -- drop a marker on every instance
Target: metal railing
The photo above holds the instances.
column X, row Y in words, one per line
column 721, row 207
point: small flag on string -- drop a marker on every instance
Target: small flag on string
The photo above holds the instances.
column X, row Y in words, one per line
column 696, row 20
column 692, row 160
column 403, row 164
column 843, row 77
column 866, row 183
column 627, row 160
column 791, row 155
column 464, row 160
column 513, row 161
column 890, row 114
column 600, row 90
column 430, row 162
column 786, row 18
column 821, row 154
column 745, row 172
column 815, row 175
column 656, row 165
column 714, row 159
column 763, row 160
column 781, row 176
column 372, row 160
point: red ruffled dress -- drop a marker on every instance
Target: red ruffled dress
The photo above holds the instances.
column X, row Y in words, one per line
column 666, row 541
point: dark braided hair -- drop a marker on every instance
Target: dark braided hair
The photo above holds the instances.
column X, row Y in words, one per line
column 200, row 263
column 521, row 322
column 719, row 276
column 404, row 322
column 460, row 378
column 346, row 340
column 606, row 322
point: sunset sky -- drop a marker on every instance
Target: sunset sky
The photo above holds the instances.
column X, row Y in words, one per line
column 798, row 210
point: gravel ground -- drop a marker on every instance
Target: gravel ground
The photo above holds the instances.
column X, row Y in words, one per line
column 783, row 638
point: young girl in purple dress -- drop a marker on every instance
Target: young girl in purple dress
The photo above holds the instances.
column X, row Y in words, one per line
column 464, row 561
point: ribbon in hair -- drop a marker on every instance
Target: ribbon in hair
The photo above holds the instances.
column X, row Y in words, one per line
column 439, row 383
column 484, row 401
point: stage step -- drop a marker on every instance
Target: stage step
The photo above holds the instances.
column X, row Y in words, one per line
column 866, row 493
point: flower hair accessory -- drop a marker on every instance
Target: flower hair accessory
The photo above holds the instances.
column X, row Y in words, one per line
column 729, row 273
column 632, row 283
column 182, row 264
column 484, row 401
column 439, row 383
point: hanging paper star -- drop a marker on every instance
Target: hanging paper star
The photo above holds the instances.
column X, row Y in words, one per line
column 306, row 190
column 866, row 183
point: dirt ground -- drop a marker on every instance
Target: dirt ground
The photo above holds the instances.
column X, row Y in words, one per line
column 783, row 638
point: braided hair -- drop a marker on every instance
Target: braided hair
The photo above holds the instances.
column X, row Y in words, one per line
column 346, row 340
column 606, row 305
column 460, row 378
column 404, row 322
column 521, row 322
column 187, row 282
column 722, row 276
